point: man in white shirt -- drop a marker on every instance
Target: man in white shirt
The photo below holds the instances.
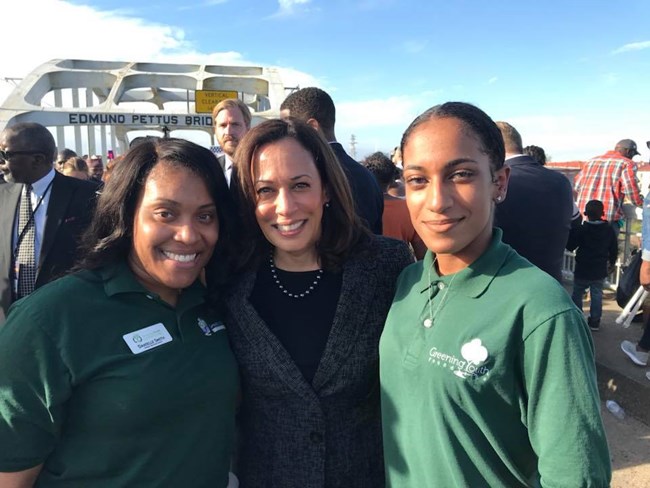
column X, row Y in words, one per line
column 232, row 120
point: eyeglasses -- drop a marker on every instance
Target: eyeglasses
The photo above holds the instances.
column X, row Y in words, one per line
column 7, row 155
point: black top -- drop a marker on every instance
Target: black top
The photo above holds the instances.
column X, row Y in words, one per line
column 597, row 245
column 302, row 325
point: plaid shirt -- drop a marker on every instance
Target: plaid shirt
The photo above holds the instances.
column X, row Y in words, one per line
column 608, row 178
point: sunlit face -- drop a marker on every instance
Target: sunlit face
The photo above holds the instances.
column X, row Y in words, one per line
column 290, row 198
column 175, row 230
column 25, row 165
column 450, row 191
column 229, row 127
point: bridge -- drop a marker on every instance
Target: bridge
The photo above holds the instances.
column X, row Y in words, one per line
column 96, row 106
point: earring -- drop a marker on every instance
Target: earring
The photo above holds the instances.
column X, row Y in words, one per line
column 498, row 198
column 327, row 204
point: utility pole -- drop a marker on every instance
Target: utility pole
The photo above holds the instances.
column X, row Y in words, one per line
column 353, row 146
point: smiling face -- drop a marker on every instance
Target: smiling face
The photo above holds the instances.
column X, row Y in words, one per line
column 175, row 230
column 229, row 128
column 450, row 191
column 290, row 200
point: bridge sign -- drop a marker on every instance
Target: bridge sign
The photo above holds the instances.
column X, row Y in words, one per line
column 207, row 99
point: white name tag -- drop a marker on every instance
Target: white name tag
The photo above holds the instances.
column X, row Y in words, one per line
column 144, row 339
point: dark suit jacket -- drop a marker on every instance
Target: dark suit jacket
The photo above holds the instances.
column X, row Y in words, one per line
column 536, row 214
column 69, row 212
column 368, row 198
column 327, row 433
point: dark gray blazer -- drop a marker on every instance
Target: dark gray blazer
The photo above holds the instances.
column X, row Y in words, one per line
column 69, row 212
column 328, row 433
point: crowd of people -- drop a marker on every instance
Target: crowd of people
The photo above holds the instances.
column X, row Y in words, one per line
column 283, row 316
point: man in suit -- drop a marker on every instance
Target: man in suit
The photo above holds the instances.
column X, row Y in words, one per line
column 537, row 212
column 56, row 210
column 315, row 107
column 232, row 120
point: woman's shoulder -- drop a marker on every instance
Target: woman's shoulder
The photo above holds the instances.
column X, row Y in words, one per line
column 71, row 287
column 386, row 250
column 388, row 245
column 538, row 294
column 45, row 306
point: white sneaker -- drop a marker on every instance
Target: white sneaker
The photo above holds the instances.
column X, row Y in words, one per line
column 639, row 358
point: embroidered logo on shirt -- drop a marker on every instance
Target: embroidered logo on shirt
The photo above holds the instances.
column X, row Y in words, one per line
column 474, row 354
column 210, row 329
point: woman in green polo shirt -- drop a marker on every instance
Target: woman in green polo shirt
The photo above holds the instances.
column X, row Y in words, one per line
column 120, row 375
column 487, row 369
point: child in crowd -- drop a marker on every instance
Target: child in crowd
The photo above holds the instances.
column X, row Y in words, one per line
column 597, row 248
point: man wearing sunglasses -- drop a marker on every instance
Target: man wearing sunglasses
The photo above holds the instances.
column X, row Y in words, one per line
column 42, row 213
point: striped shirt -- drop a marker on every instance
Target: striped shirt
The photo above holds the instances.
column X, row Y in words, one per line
column 608, row 178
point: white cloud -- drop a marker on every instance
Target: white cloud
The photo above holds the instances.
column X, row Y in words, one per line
column 574, row 135
column 581, row 135
column 287, row 7
column 123, row 37
column 292, row 78
column 387, row 112
column 493, row 80
column 633, row 46
column 378, row 124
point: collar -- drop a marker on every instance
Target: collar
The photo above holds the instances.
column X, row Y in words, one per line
column 615, row 155
column 39, row 186
column 512, row 156
column 229, row 162
column 118, row 278
column 475, row 278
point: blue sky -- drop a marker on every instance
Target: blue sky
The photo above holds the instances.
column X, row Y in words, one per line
column 572, row 76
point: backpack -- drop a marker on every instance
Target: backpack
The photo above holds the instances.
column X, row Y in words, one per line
column 629, row 281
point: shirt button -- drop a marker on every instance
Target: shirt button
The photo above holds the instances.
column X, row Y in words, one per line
column 441, row 285
column 316, row 437
column 427, row 323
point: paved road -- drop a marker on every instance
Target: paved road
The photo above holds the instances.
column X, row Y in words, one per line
column 629, row 445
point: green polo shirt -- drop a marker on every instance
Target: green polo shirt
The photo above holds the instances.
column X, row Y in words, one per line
column 109, row 386
column 492, row 383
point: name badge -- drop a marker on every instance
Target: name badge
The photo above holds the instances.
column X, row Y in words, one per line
column 144, row 339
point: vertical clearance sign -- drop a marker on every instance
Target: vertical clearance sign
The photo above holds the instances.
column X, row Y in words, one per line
column 205, row 100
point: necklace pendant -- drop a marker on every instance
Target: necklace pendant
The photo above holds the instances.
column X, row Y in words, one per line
column 427, row 323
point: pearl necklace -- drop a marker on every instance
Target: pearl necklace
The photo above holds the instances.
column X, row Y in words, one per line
column 428, row 323
column 287, row 292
